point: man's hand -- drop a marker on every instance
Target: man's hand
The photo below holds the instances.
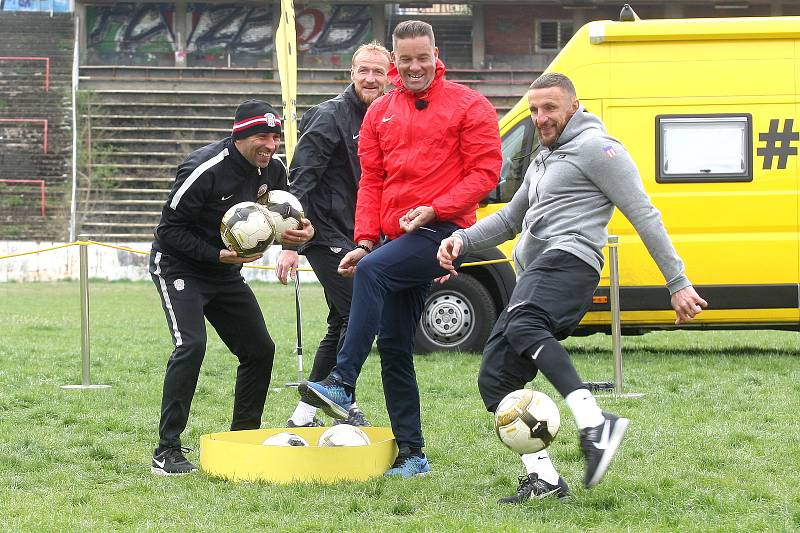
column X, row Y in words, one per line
column 288, row 261
column 299, row 236
column 419, row 216
column 449, row 249
column 230, row 257
column 347, row 266
column 687, row 304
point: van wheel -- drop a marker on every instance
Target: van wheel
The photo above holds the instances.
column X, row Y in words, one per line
column 458, row 317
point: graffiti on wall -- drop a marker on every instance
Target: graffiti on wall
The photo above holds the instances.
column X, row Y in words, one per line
column 219, row 30
column 140, row 33
column 218, row 33
column 329, row 28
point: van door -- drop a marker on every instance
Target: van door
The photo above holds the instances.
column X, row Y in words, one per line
column 725, row 178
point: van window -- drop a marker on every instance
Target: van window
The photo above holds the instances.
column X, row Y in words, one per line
column 704, row 148
column 517, row 145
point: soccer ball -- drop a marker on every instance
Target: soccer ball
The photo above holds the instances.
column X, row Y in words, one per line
column 343, row 435
column 285, row 439
column 527, row 421
column 285, row 210
column 247, row 229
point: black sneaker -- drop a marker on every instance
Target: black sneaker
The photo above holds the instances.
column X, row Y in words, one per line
column 315, row 423
column 171, row 462
column 599, row 444
column 355, row 417
column 533, row 488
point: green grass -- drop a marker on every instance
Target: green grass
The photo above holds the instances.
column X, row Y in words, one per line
column 713, row 445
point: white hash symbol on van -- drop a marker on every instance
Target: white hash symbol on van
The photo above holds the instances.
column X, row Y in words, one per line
column 778, row 143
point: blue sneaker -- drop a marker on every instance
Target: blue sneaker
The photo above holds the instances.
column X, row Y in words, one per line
column 330, row 396
column 409, row 466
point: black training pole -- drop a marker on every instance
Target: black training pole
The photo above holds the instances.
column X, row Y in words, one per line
column 298, row 312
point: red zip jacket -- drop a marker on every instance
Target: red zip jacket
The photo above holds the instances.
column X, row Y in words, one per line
column 446, row 156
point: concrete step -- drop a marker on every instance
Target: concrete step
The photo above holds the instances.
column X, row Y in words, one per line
column 144, row 122
column 134, row 166
column 212, row 73
column 179, row 109
column 265, row 75
column 114, row 154
column 251, row 87
column 118, row 236
column 127, row 202
column 148, row 178
column 120, row 213
column 123, row 190
column 230, row 96
column 139, row 140
column 126, row 225
column 161, row 129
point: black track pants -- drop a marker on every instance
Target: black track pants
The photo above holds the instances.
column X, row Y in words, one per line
column 231, row 308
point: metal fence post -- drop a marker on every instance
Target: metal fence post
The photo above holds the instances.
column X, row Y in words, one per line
column 616, row 327
column 616, row 322
column 299, row 317
column 86, row 382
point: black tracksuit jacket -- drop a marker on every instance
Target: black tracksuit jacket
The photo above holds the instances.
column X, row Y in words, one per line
column 325, row 171
column 208, row 182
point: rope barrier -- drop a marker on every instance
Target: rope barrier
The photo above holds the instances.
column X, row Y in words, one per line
column 37, row 251
column 258, row 267
column 613, row 246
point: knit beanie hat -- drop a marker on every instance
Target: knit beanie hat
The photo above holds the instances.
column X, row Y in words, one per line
column 255, row 116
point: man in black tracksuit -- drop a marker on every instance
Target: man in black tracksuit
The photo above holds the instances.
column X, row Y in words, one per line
column 324, row 175
column 198, row 278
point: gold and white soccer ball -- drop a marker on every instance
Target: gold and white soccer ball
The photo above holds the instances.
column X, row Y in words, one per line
column 247, row 229
column 285, row 211
column 285, row 439
column 527, row 421
column 343, row 435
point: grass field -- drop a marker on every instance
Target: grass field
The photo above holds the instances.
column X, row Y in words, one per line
column 714, row 445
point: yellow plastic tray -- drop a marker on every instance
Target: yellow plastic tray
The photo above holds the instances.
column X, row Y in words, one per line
column 240, row 456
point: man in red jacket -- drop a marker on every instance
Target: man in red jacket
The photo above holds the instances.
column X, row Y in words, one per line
column 429, row 152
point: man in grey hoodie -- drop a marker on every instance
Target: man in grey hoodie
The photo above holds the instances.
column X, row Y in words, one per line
column 562, row 211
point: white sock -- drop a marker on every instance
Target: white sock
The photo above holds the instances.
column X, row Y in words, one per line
column 539, row 463
column 303, row 413
column 584, row 408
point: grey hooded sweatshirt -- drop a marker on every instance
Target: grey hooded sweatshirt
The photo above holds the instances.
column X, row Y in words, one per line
column 566, row 201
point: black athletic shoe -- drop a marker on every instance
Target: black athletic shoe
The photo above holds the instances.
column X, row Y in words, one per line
column 171, row 462
column 533, row 488
column 315, row 423
column 355, row 417
column 599, row 444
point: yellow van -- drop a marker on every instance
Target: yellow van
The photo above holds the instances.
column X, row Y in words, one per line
column 709, row 110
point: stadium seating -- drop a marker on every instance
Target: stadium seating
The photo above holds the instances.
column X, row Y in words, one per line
column 35, row 124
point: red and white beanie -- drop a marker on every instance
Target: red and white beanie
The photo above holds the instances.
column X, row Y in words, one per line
column 255, row 116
